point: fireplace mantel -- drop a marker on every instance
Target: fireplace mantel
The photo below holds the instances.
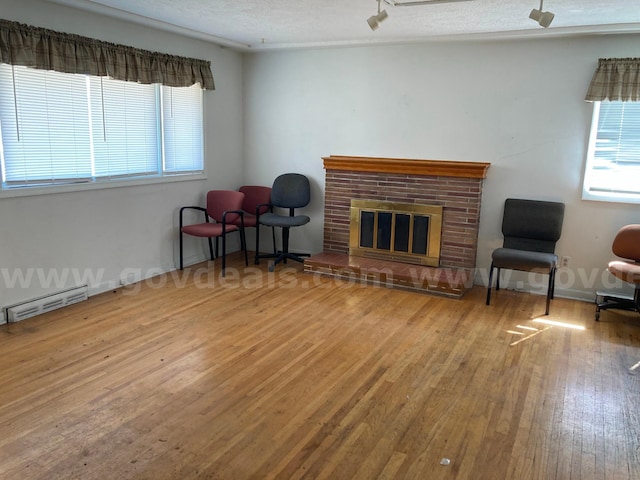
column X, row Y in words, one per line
column 436, row 168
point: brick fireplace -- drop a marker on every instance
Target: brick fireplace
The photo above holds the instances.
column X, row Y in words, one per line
column 456, row 186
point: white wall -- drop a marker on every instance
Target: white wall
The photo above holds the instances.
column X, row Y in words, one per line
column 102, row 234
column 516, row 104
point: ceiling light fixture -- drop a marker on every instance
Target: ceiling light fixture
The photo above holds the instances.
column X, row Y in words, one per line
column 375, row 20
column 544, row 19
column 393, row 3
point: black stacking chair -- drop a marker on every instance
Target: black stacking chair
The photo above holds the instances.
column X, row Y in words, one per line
column 531, row 229
column 289, row 191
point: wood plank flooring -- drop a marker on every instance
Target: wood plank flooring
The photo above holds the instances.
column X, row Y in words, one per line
column 288, row 375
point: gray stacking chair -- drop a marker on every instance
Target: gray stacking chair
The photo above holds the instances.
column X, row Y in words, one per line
column 289, row 191
column 531, row 229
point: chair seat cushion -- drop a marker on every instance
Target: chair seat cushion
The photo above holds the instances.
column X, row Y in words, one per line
column 207, row 229
column 626, row 271
column 249, row 220
column 524, row 260
column 275, row 220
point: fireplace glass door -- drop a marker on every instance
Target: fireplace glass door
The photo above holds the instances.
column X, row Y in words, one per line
column 402, row 232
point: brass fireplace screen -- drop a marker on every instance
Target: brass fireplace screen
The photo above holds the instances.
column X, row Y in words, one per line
column 402, row 232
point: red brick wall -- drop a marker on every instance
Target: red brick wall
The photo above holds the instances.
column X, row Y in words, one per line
column 459, row 197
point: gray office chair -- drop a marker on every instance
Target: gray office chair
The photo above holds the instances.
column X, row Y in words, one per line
column 289, row 191
column 531, row 229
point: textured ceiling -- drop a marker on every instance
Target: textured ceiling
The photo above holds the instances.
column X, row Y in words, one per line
column 269, row 24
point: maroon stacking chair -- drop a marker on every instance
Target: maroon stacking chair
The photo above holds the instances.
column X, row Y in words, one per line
column 224, row 207
column 256, row 201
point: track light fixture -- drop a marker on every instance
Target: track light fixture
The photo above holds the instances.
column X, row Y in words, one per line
column 375, row 20
column 544, row 19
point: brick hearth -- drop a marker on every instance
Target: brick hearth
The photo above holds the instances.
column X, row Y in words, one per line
column 457, row 186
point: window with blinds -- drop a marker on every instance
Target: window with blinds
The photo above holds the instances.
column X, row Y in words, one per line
column 59, row 128
column 613, row 160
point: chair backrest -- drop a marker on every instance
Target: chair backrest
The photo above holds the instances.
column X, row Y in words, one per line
column 532, row 225
column 291, row 190
column 626, row 244
column 220, row 201
column 255, row 195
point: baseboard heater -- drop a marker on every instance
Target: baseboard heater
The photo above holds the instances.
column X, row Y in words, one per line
column 31, row 308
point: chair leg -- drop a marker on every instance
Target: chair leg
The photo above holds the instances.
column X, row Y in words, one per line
column 257, row 259
column 181, row 265
column 224, row 252
column 285, row 245
column 489, row 286
column 211, row 249
column 273, row 236
column 243, row 243
column 498, row 279
column 280, row 256
column 550, row 288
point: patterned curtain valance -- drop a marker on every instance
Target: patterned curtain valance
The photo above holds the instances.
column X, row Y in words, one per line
column 68, row 53
column 615, row 79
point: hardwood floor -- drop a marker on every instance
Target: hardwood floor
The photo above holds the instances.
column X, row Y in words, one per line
column 290, row 375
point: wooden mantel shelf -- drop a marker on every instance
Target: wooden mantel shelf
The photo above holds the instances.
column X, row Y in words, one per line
column 438, row 168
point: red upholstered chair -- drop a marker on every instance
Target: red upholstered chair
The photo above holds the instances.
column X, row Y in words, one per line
column 626, row 245
column 225, row 208
column 256, row 201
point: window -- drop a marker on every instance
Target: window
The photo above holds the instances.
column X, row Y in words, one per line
column 613, row 160
column 60, row 128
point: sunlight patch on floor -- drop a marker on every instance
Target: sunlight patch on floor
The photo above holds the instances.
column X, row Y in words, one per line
column 556, row 323
column 531, row 335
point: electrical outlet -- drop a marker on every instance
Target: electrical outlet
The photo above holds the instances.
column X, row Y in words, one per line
column 565, row 261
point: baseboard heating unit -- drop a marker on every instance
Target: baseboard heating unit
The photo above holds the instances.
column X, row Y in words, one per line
column 31, row 308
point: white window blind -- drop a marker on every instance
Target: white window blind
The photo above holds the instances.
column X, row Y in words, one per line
column 125, row 128
column 182, row 116
column 68, row 128
column 45, row 133
column 613, row 161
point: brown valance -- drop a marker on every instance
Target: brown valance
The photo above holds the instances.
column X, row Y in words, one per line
column 68, row 53
column 615, row 79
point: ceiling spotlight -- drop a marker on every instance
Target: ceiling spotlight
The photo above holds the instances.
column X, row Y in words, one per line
column 544, row 19
column 375, row 20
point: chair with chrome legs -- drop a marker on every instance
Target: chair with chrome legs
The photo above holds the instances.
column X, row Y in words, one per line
column 626, row 245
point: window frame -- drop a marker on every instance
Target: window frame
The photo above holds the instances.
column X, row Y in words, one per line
column 161, row 176
column 590, row 168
